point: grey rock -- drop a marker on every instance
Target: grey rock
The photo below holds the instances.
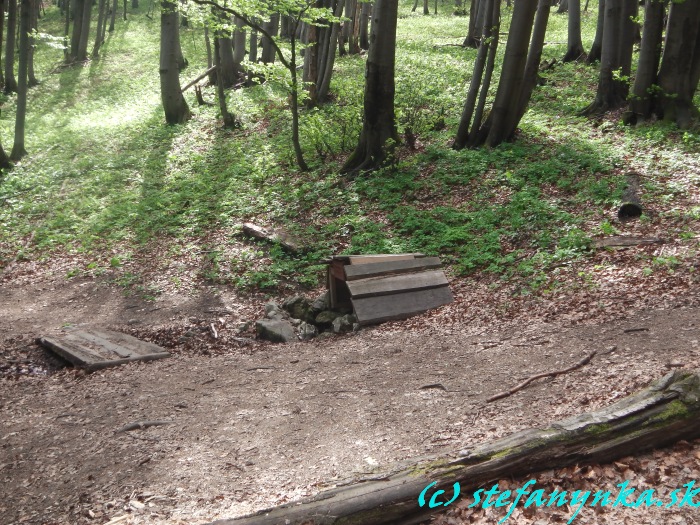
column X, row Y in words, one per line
column 273, row 311
column 321, row 303
column 325, row 335
column 326, row 318
column 299, row 307
column 296, row 322
column 344, row 323
column 307, row 331
column 271, row 307
column 277, row 331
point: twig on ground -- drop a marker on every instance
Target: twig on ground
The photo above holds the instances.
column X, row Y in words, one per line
column 140, row 425
column 530, row 379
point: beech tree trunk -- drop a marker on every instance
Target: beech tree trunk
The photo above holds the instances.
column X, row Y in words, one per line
column 227, row 68
column 34, row 24
column 666, row 411
column 680, row 64
column 640, row 107
column 2, row 26
column 5, row 163
column 100, row 23
column 113, row 17
column 239, row 47
column 84, row 31
column 379, row 134
column 267, row 55
column 597, row 46
column 574, row 49
column 616, row 57
column 176, row 109
column 365, row 9
column 229, row 120
column 474, row 32
column 25, row 24
column 10, row 81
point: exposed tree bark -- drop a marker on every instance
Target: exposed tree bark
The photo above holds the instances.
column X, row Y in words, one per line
column 329, row 62
column 616, row 57
column 174, row 104
column 563, row 6
column 181, row 60
column 666, row 411
column 10, row 81
column 34, row 25
column 680, row 64
column 474, row 30
column 426, row 8
column 25, row 23
column 379, row 132
column 100, row 23
column 253, row 52
column 5, row 163
column 574, row 48
column 66, row 31
column 640, row 107
column 597, row 46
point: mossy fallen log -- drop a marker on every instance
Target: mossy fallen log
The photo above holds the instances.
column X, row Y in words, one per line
column 631, row 207
column 660, row 414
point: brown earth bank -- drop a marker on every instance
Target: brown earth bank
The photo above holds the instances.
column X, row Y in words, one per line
column 255, row 425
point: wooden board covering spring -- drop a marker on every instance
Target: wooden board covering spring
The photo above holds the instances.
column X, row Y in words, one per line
column 387, row 287
column 93, row 348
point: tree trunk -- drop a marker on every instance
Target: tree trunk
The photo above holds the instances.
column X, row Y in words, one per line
column 597, row 46
column 10, row 81
column 574, row 50
column 253, row 53
column 507, row 100
column 379, row 133
column 25, row 24
column 563, row 6
column 295, row 107
column 181, row 60
column 100, row 23
column 267, row 55
column 489, row 41
column 5, row 163
column 227, row 68
column 616, row 57
column 666, row 411
column 640, row 107
column 229, row 120
column 426, row 8
column 678, row 75
column 2, row 24
column 364, row 24
column 134, row 4
column 81, row 55
column 473, row 32
column 66, row 31
column 174, row 104
column 325, row 80
column 34, row 21
column 113, row 17
column 239, row 47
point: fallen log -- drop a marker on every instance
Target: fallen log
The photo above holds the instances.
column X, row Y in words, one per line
column 631, row 207
column 282, row 238
column 200, row 77
column 662, row 413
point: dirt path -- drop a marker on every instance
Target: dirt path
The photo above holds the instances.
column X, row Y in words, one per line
column 261, row 425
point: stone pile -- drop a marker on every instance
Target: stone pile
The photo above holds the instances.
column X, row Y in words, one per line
column 300, row 318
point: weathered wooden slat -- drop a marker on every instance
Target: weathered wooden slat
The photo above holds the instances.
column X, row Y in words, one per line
column 94, row 349
column 400, row 305
column 393, row 284
column 364, row 271
column 102, row 343
column 347, row 258
column 368, row 259
column 71, row 352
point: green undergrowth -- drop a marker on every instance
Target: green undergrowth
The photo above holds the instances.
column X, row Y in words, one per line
column 106, row 176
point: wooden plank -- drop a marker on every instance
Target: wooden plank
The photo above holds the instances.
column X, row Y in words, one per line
column 377, row 286
column 364, row 271
column 371, row 310
column 94, row 349
column 366, row 259
column 346, row 258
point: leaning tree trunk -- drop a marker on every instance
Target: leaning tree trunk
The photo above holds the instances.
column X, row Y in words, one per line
column 497, row 127
column 174, row 104
column 25, row 24
column 489, row 42
column 574, row 48
column 10, row 81
column 666, row 411
column 379, row 132
column 640, row 106
column 680, row 64
column 616, row 57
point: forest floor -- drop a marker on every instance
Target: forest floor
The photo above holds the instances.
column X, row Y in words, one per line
column 262, row 424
